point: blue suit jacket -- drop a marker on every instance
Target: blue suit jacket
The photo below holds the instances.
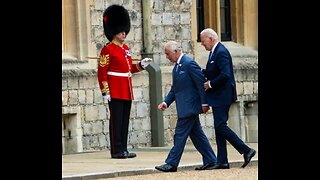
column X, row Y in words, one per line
column 187, row 88
column 219, row 70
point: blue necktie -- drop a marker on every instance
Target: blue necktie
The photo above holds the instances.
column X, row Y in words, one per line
column 209, row 55
column 177, row 67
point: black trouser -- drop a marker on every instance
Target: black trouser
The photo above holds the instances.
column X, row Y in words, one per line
column 119, row 124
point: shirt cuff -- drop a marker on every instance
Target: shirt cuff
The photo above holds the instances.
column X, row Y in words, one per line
column 165, row 104
column 209, row 84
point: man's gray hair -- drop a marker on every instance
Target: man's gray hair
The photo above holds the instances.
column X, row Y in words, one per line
column 173, row 46
column 208, row 32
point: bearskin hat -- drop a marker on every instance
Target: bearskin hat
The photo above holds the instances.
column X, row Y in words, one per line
column 115, row 19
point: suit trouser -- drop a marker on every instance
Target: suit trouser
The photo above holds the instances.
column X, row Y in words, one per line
column 224, row 133
column 119, row 124
column 190, row 127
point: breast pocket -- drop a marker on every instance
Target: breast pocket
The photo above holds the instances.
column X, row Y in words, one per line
column 181, row 72
column 181, row 79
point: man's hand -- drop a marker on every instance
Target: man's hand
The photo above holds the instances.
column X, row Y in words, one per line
column 106, row 98
column 206, row 85
column 162, row 106
column 145, row 62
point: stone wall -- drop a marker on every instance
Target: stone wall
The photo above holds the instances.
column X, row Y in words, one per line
column 170, row 20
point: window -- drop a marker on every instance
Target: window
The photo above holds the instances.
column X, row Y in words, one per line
column 69, row 30
column 225, row 20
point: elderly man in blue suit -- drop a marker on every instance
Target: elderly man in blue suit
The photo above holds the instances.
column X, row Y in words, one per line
column 189, row 95
column 221, row 93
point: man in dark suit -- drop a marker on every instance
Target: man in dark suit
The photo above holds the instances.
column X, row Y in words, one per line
column 221, row 93
column 189, row 95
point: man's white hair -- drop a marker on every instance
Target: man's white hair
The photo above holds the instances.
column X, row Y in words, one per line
column 172, row 46
column 208, row 32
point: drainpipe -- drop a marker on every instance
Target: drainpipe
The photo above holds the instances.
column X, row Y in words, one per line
column 155, row 82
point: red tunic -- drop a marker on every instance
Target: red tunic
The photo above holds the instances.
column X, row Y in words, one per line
column 115, row 63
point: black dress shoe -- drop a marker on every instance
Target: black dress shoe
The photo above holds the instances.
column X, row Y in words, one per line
column 130, row 155
column 220, row 166
column 247, row 157
column 121, row 155
column 206, row 166
column 166, row 168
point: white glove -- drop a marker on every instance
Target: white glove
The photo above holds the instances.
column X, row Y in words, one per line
column 145, row 62
column 106, row 98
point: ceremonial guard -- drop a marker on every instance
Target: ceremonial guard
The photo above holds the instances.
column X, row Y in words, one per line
column 115, row 69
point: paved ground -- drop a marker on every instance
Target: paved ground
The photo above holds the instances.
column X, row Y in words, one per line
column 234, row 173
column 95, row 165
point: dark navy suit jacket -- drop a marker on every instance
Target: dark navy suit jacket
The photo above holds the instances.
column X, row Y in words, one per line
column 219, row 70
column 187, row 88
